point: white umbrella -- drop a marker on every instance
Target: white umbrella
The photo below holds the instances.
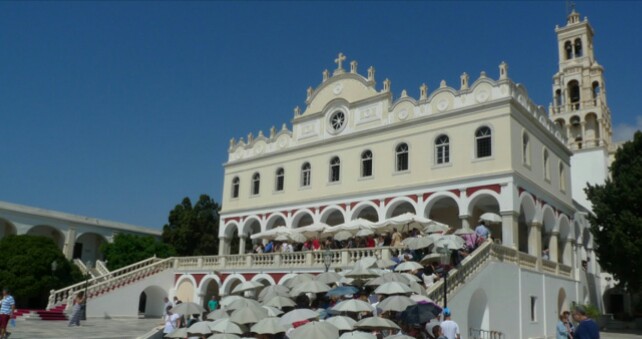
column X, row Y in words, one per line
column 416, row 288
column 299, row 279
column 274, row 290
column 357, row 335
column 248, row 315
column 432, row 257
column 315, row 330
column 342, row 323
column 273, row 233
column 352, row 226
column 385, row 263
column 225, row 326
column 463, row 231
column 451, row 241
column 328, row 277
column 399, row 336
column 420, row 298
column 408, row 266
column 311, row 231
column 388, row 277
column 242, row 303
column 272, row 311
column 280, row 302
column 436, row 227
column 406, row 221
column 376, row 323
column 411, row 277
column 227, row 300
column 397, row 303
column 224, row 336
column 364, row 233
column 268, row 326
column 246, row 286
column 298, row 315
column 201, row 327
column 311, row 286
column 361, row 273
column 415, row 243
column 188, row 308
column 282, row 237
column 343, row 235
column 492, row 218
column 297, row 237
column 221, row 313
column 179, row 333
column 393, row 287
column 366, row 262
column 352, row 305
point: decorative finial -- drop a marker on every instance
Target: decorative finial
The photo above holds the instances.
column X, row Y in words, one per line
column 386, row 85
column 339, row 60
column 353, row 66
column 442, row 84
column 371, row 73
column 241, row 142
column 309, row 92
column 464, row 81
column 272, row 132
column 232, row 143
column 250, row 138
column 482, row 74
column 326, row 75
column 503, row 70
column 283, row 127
column 423, row 91
column 297, row 111
column 404, row 93
column 261, row 135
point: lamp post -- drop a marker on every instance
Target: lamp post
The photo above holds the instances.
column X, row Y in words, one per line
column 445, row 261
column 327, row 259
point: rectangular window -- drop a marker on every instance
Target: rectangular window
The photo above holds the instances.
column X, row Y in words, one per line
column 366, row 171
column 533, row 308
column 305, row 180
column 279, row 183
column 334, row 173
column 484, row 147
column 402, row 161
column 443, row 154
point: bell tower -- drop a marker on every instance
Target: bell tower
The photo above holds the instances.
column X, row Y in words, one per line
column 579, row 95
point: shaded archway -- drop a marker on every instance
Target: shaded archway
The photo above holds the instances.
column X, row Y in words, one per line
column 399, row 207
column 6, row 228
column 333, row 217
column 526, row 216
column 209, row 289
column 150, row 302
column 275, row 220
column 564, row 246
column 265, row 280
column 302, row 218
column 592, row 129
column 87, row 247
column 478, row 311
column 252, row 226
column 366, row 211
column 49, row 232
column 548, row 226
column 231, row 238
column 443, row 209
column 231, row 282
column 485, row 203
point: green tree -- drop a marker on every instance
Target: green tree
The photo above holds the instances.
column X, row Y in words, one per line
column 193, row 230
column 617, row 223
column 129, row 248
column 27, row 266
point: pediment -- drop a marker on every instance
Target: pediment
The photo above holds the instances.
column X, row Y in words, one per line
column 349, row 87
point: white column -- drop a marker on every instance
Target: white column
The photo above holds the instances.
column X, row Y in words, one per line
column 242, row 245
column 510, row 229
column 70, row 243
column 222, row 246
column 465, row 224
column 535, row 239
column 552, row 246
column 590, row 256
column 567, row 253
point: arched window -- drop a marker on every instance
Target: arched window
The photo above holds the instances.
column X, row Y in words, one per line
column 547, row 170
column 335, row 169
column 366, row 164
column 236, row 183
column 526, row 149
column 256, row 183
column 578, row 48
column 558, row 98
column 280, row 179
column 483, row 142
column 562, row 177
column 574, row 94
column 306, row 174
column 442, row 149
column 568, row 50
column 596, row 91
column 402, row 157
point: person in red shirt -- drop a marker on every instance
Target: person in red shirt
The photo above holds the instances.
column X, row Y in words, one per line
column 316, row 245
column 370, row 242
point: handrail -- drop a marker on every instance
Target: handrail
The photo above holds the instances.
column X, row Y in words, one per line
column 477, row 333
column 81, row 266
column 102, row 268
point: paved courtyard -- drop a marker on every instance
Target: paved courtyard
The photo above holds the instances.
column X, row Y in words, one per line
column 133, row 328
column 90, row 329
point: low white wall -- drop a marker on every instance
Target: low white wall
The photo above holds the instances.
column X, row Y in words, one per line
column 123, row 302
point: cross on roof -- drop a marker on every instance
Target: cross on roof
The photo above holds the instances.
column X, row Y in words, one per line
column 339, row 60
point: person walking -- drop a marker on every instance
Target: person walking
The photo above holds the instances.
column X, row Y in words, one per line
column 482, row 231
column 171, row 321
column 7, row 307
column 563, row 330
column 587, row 327
column 79, row 300
column 212, row 304
column 449, row 327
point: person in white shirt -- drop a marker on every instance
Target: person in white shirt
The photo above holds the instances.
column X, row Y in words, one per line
column 171, row 321
column 449, row 327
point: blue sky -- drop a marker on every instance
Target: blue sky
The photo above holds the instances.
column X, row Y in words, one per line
column 118, row 110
